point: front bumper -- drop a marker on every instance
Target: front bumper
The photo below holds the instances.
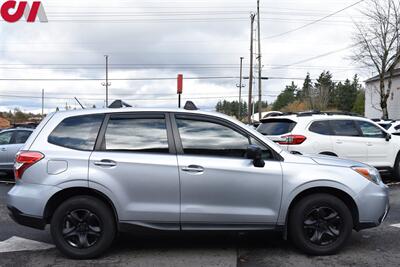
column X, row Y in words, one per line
column 26, row 220
column 373, row 206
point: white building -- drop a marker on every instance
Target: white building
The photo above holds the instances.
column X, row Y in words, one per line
column 372, row 99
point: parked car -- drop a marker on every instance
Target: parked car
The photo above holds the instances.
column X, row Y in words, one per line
column 390, row 126
column 11, row 141
column 343, row 136
column 93, row 173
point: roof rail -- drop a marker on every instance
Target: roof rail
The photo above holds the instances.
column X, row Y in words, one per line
column 119, row 104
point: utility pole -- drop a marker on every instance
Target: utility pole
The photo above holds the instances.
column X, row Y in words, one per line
column 42, row 102
column 240, row 88
column 252, row 16
column 106, row 84
column 259, row 62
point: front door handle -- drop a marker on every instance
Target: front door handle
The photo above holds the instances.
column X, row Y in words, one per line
column 3, row 149
column 339, row 142
column 193, row 169
column 105, row 163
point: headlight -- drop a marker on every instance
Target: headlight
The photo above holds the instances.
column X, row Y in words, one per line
column 370, row 173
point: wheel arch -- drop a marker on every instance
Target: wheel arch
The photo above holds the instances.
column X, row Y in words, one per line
column 342, row 195
column 68, row 193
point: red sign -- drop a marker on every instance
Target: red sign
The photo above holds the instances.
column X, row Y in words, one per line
column 11, row 11
column 180, row 83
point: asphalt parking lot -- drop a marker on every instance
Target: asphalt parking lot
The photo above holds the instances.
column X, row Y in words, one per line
column 374, row 247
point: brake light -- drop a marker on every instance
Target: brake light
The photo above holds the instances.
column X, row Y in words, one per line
column 24, row 160
column 293, row 140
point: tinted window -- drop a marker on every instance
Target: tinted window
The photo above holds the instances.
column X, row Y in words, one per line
column 5, row 138
column 209, row 138
column 385, row 125
column 276, row 127
column 141, row 135
column 397, row 127
column 22, row 136
column 344, row 128
column 370, row 130
column 77, row 132
column 266, row 152
column 321, row 127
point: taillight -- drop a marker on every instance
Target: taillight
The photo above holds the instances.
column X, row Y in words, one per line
column 24, row 160
column 293, row 140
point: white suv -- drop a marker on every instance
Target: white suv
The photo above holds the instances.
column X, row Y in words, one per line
column 342, row 136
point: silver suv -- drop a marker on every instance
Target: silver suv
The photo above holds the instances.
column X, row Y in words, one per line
column 93, row 173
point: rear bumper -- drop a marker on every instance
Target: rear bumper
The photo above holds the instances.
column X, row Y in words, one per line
column 26, row 220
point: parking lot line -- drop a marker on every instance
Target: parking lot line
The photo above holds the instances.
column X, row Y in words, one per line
column 396, row 225
column 16, row 243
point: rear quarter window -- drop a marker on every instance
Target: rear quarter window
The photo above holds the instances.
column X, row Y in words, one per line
column 276, row 126
column 78, row 132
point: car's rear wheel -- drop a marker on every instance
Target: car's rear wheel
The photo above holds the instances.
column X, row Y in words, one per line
column 320, row 224
column 81, row 227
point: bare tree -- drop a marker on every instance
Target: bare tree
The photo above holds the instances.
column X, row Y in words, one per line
column 378, row 44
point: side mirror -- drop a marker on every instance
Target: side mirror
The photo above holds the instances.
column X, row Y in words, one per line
column 388, row 137
column 255, row 153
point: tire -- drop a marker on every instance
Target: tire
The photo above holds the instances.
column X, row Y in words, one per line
column 396, row 169
column 314, row 228
column 81, row 227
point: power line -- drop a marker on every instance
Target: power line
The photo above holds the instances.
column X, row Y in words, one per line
column 313, row 22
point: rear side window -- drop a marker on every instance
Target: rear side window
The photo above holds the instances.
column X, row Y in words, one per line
column 276, row 126
column 136, row 135
column 78, row 132
column 22, row 136
column 321, row 127
column 5, row 138
column 386, row 126
column 344, row 128
column 397, row 127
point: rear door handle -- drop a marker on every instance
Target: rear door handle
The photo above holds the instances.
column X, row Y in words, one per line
column 339, row 142
column 105, row 163
column 3, row 149
column 193, row 169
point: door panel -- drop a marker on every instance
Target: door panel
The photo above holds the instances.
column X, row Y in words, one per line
column 380, row 151
column 347, row 140
column 220, row 187
column 134, row 160
column 229, row 191
column 146, row 187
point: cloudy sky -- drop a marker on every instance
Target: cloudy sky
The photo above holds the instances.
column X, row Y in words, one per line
column 147, row 39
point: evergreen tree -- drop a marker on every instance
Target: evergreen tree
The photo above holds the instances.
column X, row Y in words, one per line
column 286, row 97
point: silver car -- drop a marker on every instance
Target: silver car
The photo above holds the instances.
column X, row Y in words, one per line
column 93, row 173
column 11, row 141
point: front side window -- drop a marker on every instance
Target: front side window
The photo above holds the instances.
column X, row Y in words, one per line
column 136, row 135
column 5, row 138
column 321, row 127
column 370, row 130
column 78, row 132
column 344, row 128
column 22, row 136
column 213, row 139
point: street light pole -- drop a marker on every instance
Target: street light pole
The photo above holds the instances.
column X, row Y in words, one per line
column 106, row 84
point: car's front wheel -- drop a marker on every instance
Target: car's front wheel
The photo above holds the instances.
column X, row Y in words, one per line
column 320, row 224
column 82, row 227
